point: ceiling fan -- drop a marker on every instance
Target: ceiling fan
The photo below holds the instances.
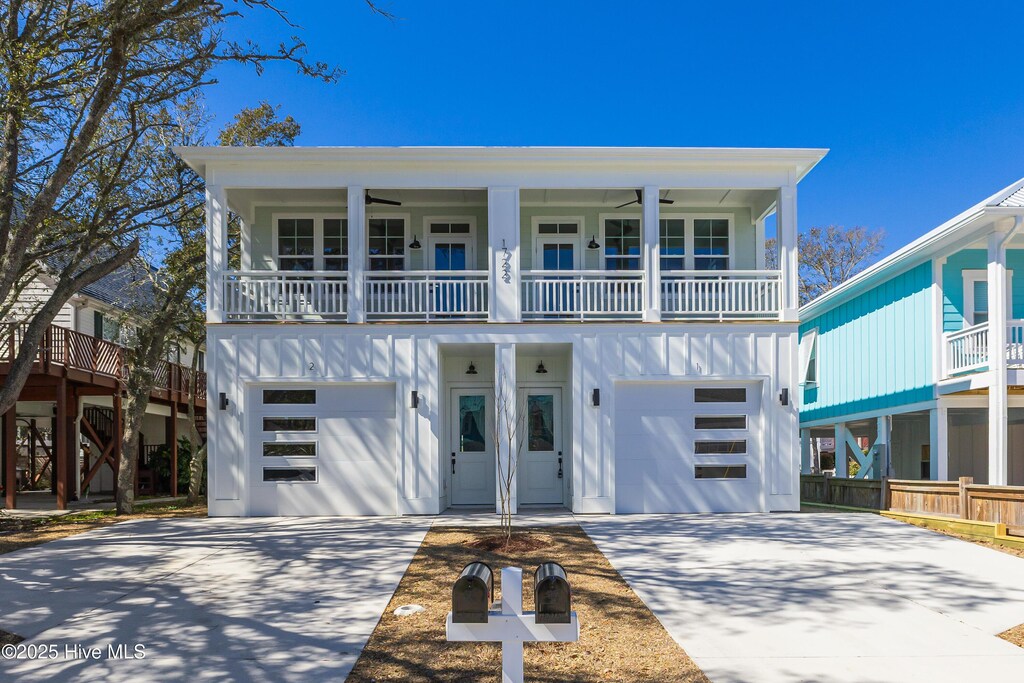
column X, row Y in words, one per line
column 640, row 200
column 378, row 200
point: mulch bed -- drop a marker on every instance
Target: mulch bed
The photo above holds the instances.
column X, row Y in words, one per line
column 1015, row 635
column 620, row 639
column 24, row 532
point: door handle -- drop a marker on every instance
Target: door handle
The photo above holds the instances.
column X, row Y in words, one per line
column 559, row 464
column 453, row 462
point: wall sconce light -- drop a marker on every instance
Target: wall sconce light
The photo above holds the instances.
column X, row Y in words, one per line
column 784, row 397
column 471, row 370
column 415, row 244
column 414, row 399
column 224, row 401
column 541, row 370
column 595, row 397
column 593, row 243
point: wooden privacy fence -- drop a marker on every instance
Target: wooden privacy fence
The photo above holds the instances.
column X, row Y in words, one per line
column 961, row 499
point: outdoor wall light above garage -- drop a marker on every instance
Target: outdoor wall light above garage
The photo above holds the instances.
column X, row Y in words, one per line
column 414, row 400
column 223, row 401
column 595, row 397
column 471, row 370
column 541, row 370
column 784, row 397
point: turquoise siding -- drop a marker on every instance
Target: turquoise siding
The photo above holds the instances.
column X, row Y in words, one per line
column 874, row 351
column 953, row 284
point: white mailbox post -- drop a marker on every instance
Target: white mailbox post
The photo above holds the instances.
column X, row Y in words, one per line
column 511, row 627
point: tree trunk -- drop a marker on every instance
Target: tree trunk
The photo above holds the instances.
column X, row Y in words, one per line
column 135, row 404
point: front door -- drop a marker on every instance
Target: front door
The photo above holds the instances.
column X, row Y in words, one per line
column 541, row 467
column 472, row 456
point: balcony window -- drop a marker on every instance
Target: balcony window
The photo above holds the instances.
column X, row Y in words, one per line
column 711, row 244
column 622, row 244
column 672, row 234
column 386, row 242
column 296, row 244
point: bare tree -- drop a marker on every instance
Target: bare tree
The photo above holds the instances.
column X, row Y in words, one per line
column 830, row 256
column 509, row 419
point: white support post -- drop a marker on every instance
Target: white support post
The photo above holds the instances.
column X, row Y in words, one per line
column 357, row 250
column 842, row 462
column 503, row 286
column 805, row 451
column 216, row 251
column 651, row 229
column 938, row 445
column 998, row 462
column 881, row 447
column 505, row 376
column 511, row 603
column 789, row 257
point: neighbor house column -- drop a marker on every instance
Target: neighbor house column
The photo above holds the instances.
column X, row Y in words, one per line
column 651, row 229
column 938, row 444
column 216, row 251
column 789, row 262
column 997, row 412
column 842, row 461
column 356, row 254
column 805, row 451
column 506, row 403
column 503, row 255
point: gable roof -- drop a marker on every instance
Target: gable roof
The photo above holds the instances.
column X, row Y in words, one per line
column 952, row 232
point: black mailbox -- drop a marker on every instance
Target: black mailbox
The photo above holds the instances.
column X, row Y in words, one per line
column 551, row 594
column 472, row 594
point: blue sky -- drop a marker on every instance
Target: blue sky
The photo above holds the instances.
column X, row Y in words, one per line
column 921, row 104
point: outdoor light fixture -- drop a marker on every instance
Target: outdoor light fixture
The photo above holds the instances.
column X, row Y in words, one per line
column 784, row 397
column 471, row 370
column 541, row 370
column 223, row 401
column 595, row 397
column 415, row 244
column 593, row 243
column 415, row 399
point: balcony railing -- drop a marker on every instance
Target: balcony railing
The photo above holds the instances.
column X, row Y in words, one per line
column 721, row 295
column 968, row 349
column 275, row 295
column 582, row 295
column 422, row 295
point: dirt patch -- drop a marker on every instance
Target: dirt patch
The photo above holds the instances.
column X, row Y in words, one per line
column 620, row 640
column 9, row 638
column 1015, row 635
column 21, row 532
column 518, row 543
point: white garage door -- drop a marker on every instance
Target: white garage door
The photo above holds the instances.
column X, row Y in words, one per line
column 682, row 447
column 322, row 450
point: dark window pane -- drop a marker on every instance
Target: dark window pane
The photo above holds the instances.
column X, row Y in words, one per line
column 672, row 264
column 289, row 424
column 460, row 228
column 720, row 395
column 720, row 471
column 540, row 415
column 708, row 447
column 305, row 449
column 472, row 421
column 304, row 227
column 547, row 228
column 568, row 228
column 289, row 396
column 720, row 422
column 289, row 474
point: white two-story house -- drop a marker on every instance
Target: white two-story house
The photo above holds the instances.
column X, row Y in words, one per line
column 616, row 298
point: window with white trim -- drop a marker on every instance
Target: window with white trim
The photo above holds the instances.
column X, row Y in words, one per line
column 622, row 244
column 672, row 237
column 711, row 247
column 296, row 244
column 976, row 304
column 335, row 246
column 809, row 357
column 385, row 240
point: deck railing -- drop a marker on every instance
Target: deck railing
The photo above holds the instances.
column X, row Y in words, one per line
column 967, row 350
column 280, row 295
column 582, row 295
column 426, row 295
column 721, row 295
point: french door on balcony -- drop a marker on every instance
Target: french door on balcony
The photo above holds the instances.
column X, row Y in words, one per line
column 454, row 254
column 556, row 254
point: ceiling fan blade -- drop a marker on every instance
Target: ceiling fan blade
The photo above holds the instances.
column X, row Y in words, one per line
column 377, row 200
column 626, row 204
column 667, row 201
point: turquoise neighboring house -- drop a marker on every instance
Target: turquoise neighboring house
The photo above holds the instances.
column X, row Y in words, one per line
column 896, row 361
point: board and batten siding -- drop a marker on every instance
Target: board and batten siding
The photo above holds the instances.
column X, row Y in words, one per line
column 953, row 284
column 873, row 351
column 35, row 294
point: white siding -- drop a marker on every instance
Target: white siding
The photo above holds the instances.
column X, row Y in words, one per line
column 35, row 294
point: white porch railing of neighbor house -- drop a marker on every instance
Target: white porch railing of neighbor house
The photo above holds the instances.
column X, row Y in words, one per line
column 271, row 295
column 582, row 295
column 967, row 349
column 721, row 295
column 426, row 295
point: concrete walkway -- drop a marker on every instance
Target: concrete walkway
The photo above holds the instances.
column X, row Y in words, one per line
column 830, row 598
column 210, row 599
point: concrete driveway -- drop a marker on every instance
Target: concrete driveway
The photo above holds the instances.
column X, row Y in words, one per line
column 209, row 599
column 830, row 598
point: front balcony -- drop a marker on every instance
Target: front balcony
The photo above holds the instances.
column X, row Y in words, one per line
column 426, row 295
column 582, row 295
column 967, row 351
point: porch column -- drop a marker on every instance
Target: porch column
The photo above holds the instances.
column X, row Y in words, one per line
column 805, row 451
column 651, row 228
column 172, row 435
column 507, row 423
column 59, row 469
column 11, row 458
column 357, row 246
column 881, row 446
column 74, row 445
column 938, row 444
column 997, row 413
column 216, row 251
column 503, row 283
column 842, row 460
column 789, row 261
